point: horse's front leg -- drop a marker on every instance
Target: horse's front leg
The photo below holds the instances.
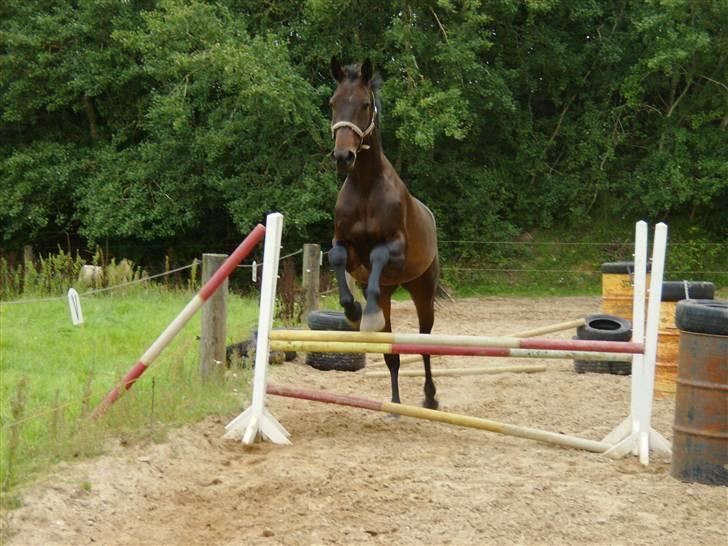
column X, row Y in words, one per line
column 352, row 308
column 388, row 253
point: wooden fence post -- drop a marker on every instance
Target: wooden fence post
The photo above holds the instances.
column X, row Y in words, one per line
column 214, row 320
column 28, row 255
column 310, row 277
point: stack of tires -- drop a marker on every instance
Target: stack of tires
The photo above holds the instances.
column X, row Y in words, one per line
column 347, row 362
column 604, row 328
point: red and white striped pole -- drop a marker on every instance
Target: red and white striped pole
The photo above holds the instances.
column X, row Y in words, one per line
column 240, row 253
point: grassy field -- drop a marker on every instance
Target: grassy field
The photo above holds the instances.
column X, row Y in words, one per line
column 53, row 374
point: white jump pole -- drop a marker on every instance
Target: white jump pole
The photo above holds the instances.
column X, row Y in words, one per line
column 257, row 420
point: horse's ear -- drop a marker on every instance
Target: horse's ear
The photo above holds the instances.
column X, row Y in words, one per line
column 336, row 70
column 366, row 70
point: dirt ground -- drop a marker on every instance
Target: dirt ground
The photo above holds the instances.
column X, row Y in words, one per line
column 357, row 477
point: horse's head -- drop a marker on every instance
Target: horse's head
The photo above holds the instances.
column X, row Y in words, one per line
column 354, row 111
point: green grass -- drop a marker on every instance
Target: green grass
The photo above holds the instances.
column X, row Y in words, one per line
column 72, row 368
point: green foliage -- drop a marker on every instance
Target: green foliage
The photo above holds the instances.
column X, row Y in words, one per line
column 169, row 121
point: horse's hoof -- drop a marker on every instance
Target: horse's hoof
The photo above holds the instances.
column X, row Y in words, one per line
column 373, row 322
column 352, row 314
column 354, row 325
column 431, row 404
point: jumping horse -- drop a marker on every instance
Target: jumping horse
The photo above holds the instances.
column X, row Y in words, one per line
column 383, row 236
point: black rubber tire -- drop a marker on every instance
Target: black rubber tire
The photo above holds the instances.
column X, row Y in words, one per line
column 603, row 366
column 288, row 356
column 237, row 353
column 343, row 362
column 328, row 320
column 675, row 290
column 703, row 316
column 620, row 267
column 605, row 328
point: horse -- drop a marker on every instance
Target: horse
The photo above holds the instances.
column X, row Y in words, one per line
column 384, row 237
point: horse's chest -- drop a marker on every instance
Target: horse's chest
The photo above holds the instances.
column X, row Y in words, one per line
column 359, row 225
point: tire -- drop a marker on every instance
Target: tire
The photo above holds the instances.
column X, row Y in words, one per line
column 343, row 362
column 242, row 355
column 675, row 290
column 622, row 268
column 702, row 316
column 288, row 356
column 328, row 320
column 602, row 366
column 605, row 328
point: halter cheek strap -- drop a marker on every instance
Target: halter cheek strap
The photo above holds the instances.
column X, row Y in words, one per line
column 355, row 128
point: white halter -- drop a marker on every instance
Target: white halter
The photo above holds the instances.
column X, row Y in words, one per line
column 355, row 128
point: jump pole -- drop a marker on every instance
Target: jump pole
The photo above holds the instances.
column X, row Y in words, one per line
column 441, row 372
column 525, row 333
column 452, row 350
column 411, row 343
column 561, row 326
column 440, row 416
column 228, row 266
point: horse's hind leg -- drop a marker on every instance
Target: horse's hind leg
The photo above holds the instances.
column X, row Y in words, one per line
column 423, row 291
column 352, row 308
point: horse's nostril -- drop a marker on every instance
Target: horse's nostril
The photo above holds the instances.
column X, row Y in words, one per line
column 343, row 157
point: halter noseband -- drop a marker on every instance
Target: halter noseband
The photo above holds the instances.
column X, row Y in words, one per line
column 355, row 128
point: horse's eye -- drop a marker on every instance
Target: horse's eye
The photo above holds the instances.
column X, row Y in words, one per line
column 365, row 106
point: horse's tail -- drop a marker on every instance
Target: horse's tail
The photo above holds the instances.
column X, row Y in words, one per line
column 442, row 294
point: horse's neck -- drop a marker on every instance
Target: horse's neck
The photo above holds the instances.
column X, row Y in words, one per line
column 370, row 164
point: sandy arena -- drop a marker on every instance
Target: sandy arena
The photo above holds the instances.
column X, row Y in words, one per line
column 357, row 477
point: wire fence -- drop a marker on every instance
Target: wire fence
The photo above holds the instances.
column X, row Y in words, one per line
column 134, row 282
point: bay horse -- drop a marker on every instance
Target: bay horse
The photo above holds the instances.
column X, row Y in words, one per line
column 383, row 236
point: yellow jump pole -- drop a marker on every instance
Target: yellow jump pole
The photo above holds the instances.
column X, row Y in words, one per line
column 387, row 348
column 440, row 416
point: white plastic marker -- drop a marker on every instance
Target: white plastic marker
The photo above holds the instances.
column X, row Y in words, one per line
column 75, row 305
